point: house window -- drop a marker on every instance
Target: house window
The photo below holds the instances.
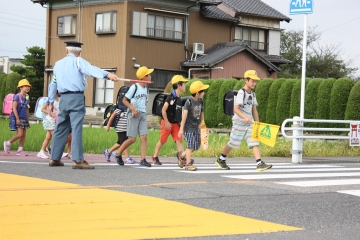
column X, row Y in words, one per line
column 66, row 25
column 104, row 91
column 155, row 26
column 105, row 22
column 253, row 37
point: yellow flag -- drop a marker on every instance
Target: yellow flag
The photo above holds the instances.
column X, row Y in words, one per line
column 265, row 133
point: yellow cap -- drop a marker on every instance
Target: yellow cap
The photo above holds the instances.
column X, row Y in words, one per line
column 23, row 82
column 251, row 74
column 143, row 71
column 197, row 86
column 178, row 78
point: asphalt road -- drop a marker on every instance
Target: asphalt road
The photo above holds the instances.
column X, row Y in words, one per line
column 318, row 199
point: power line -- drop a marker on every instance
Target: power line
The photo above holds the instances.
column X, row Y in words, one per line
column 23, row 21
column 23, row 27
column 340, row 24
column 23, row 17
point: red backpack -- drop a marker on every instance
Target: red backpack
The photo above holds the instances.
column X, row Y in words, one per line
column 7, row 104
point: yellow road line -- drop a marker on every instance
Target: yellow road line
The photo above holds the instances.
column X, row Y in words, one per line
column 107, row 214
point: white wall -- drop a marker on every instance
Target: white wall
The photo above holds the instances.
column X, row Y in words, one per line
column 274, row 42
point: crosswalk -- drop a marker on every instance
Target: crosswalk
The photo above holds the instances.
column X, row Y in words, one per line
column 298, row 176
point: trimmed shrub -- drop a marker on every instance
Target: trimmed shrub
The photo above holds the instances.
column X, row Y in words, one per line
column 212, row 103
column 353, row 105
column 283, row 101
column 187, row 91
column 239, row 84
column 262, row 96
column 272, row 100
column 206, row 82
column 323, row 99
column 222, row 119
column 312, row 89
column 296, row 98
column 338, row 100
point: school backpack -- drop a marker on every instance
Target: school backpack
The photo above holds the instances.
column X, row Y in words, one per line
column 120, row 96
column 109, row 110
column 7, row 103
column 174, row 111
column 229, row 99
column 38, row 106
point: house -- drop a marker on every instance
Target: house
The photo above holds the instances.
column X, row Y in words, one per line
column 122, row 35
column 6, row 63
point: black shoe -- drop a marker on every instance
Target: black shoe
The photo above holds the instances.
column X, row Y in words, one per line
column 144, row 163
column 156, row 161
column 263, row 166
column 119, row 160
column 222, row 164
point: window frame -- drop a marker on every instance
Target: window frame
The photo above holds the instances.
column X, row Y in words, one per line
column 72, row 25
column 112, row 22
column 249, row 33
column 157, row 26
column 104, row 103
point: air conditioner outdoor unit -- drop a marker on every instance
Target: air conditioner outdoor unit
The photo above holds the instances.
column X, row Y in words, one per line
column 198, row 48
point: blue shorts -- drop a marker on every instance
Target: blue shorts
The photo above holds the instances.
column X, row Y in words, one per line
column 192, row 139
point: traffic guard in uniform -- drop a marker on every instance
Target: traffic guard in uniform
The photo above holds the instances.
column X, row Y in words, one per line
column 70, row 80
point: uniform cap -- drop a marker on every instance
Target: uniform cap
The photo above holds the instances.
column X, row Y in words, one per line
column 143, row 71
column 73, row 44
column 251, row 74
column 23, row 82
column 197, row 86
column 178, row 78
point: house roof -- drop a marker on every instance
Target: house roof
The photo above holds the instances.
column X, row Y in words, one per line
column 222, row 51
column 244, row 7
column 275, row 58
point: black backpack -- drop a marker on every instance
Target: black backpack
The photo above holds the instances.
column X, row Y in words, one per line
column 120, row 96
column 174, row 111
column 229, row 99
column 109, row 110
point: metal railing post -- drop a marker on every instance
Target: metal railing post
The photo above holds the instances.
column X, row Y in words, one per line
column 296, row 150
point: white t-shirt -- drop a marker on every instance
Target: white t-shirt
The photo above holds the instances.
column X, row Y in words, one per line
column 246, row 103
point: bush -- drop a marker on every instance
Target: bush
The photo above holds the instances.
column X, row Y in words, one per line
column 187, row 91
column 353, row 105
column 223, row 119
column 312, row 89
column 212, row 103
column 240, row 84
column 206, row 82
column 283, row 102
column 323, row 99
column 272, row 101
column 262, row 96
column 338, row 100
column 296, row 98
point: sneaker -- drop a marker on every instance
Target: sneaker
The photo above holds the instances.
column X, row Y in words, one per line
column 263, row 166
column 42, row 155
column 222, row 164
column 181, row 160
column 21, row 153
column 7, row 147
column 53, row 163
column 119, row 160
column 82, row 165
column 107, row 155
column 48, row 150
column 144, row 163
column 190, row 167
column 156, row 161
column 129, row 160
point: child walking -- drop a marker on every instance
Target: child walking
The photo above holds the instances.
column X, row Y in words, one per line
column 137, row 124
column 120, row 128
column 19, row 117
column 192, row 121
column 168, row 124
column 245, row 113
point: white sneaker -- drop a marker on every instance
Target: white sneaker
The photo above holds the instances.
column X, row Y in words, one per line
column 42, row 155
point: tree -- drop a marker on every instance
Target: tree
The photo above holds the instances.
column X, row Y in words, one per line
column 323, row 60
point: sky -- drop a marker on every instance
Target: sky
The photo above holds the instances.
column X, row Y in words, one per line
column 23, row 24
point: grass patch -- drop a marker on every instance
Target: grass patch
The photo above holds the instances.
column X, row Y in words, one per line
column 95, row 140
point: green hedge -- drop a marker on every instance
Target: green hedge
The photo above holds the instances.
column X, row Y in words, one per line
column 323, row 99
column 239, row 84
column 353, row 105
column 212, row 103
column 338, row 101
column 222, row 119
column 312, row 89
column 283, row 102
column 296, row 98
column 262, row 96
column 206, row 82
column 272, row 100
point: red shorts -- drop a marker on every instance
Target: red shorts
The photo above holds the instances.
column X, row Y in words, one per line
column 164, row 132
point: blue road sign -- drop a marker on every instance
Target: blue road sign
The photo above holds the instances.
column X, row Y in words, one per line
column 301, row 6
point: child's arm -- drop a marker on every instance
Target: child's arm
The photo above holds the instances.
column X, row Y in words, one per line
column 27, row 112
column 14, row 109
column 111, row 119
column 182, row 124
column 44, row 108
column 255, row 114
column 163, row 111
column 202, row 120
column 241, row 114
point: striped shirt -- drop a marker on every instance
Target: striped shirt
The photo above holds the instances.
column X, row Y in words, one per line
column 121, row 125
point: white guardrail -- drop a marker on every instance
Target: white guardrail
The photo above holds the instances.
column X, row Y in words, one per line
column 298, row 129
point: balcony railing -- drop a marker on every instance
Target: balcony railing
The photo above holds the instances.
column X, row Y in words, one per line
column 165, row 34
column 262, row 46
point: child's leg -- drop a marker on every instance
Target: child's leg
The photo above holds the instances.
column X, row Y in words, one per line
column 143, row 146
column 188, row 152
column 256, row 151
column 46, row 140
column 114, row 147
column 68, row 143
column 18, row 135
column 125, row 145
column 22, row 139
column 164, row 134
column 126, row 152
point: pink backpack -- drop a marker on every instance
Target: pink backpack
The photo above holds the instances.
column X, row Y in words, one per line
column 7, row 104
